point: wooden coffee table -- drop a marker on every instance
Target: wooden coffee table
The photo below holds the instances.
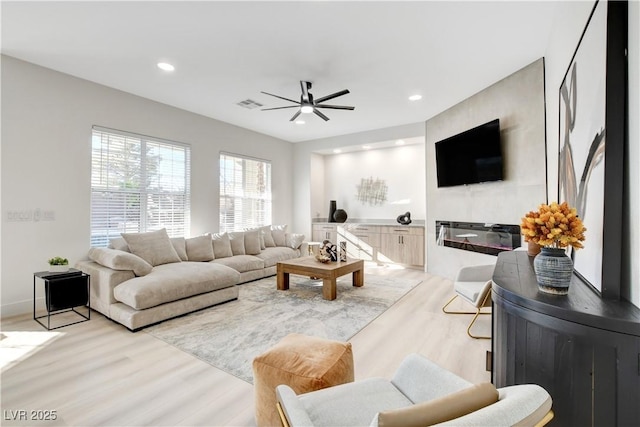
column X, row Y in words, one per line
column 328, row 272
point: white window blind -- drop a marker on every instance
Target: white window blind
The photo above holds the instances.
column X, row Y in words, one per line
column 138, row 184
column 245, row 192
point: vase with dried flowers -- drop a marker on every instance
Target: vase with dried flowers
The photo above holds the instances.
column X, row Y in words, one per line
column 554, row 227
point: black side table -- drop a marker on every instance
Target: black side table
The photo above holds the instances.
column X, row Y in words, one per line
column 63, row 292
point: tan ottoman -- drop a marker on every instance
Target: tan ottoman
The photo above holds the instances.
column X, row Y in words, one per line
column 303, row 363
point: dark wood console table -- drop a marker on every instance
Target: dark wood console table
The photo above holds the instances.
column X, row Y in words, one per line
column 585, row 351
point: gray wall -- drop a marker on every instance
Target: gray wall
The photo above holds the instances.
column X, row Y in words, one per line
column 518, row 101
column 46, row 140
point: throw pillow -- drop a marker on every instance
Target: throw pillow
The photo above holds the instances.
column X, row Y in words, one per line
column 180, row 247
column 221, row 246
column 293, row 240
column 154, row 247
column 260, row 235
column 120, row 260
column 200, row 248
column 278, row 237
column 237, row 243
column 119, row 243
column 268, row 238
column 443, row 409
column 252, row 242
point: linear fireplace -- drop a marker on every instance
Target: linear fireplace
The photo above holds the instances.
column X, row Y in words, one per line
column 486, row 238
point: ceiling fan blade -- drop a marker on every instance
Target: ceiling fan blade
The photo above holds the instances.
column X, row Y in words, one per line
column 280, row 108
column 305, row 86
column 333, row 95
column 319, row 114
column 281, row 97
column 295, row 116
column 335, row 107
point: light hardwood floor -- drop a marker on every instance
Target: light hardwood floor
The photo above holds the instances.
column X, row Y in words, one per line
column 99, row 373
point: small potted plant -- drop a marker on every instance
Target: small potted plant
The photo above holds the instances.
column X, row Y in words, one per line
column 58, row 264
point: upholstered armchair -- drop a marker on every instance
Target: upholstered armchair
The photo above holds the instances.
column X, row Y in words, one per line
column 420, row 393
column 473, row 285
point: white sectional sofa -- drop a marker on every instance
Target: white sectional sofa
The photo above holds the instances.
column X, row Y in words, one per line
column 145, row 278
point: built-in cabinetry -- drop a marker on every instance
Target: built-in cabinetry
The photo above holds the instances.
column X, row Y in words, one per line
column 373, row 242
column 584, row 350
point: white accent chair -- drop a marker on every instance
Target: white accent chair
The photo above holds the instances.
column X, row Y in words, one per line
column 416, row 382
column 473, row 285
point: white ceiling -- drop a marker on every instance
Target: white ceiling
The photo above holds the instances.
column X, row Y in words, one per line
column 226, row 52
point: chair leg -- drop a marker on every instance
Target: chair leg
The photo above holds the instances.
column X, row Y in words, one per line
column 283, row 417
column 478, row 313
column 444, row 308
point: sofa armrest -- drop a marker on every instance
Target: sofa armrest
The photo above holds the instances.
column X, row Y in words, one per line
column 420, row 380
column 291, row 407
column 103, row 281
column 304, row 249
column 518, row 405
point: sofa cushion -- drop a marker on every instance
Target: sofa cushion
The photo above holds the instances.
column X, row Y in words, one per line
column 279, row 237
column 252, row 244
column 268, row 238
column 120, row 260
column 241, row 263
column 221, row 245
column 237, row 243
column 118, row 243
column 272, row 256
column 180, row 246
column 260, row 236
column 154, row 247
column 200, row 248
column 171, row 282
column 443, row 409
column 293, row 240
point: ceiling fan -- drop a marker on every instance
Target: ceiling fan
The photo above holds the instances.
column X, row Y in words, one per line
column 309, row 105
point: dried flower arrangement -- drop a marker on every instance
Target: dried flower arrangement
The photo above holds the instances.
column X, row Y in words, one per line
column 555, row 225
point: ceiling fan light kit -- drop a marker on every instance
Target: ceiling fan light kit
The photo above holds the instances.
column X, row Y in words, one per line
column 308, row 105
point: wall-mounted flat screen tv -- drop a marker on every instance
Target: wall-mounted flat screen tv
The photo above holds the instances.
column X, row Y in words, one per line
column 470, row 157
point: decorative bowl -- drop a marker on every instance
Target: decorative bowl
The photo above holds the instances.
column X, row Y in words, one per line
column 323, row 258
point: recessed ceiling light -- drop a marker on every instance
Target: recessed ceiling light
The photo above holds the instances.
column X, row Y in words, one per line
column 415, row 97
column 366, row 147
column 166, row 66
column 337, row 151
column 400, row 142
column 299, row 122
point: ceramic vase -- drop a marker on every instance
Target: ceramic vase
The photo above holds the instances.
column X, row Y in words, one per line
column 553, row 271
column 343, row 251
column 340, row 215
column 332, row 210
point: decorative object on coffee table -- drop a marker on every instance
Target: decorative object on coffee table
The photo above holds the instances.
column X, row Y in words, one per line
column 554, row 227
column 332, row 210
column 404, row 219
column 343, row 251
column 329, row 250
column 340, row 215
column 58, row 265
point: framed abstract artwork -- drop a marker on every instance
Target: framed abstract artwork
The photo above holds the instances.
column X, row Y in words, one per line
column 592, row 136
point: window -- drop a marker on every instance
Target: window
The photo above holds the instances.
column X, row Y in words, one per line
column 245, row 192
column 138, row 184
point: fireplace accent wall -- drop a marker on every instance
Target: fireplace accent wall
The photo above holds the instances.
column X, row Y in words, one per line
column 485, row 238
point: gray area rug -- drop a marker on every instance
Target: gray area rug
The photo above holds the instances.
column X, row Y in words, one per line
column 230, row 335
